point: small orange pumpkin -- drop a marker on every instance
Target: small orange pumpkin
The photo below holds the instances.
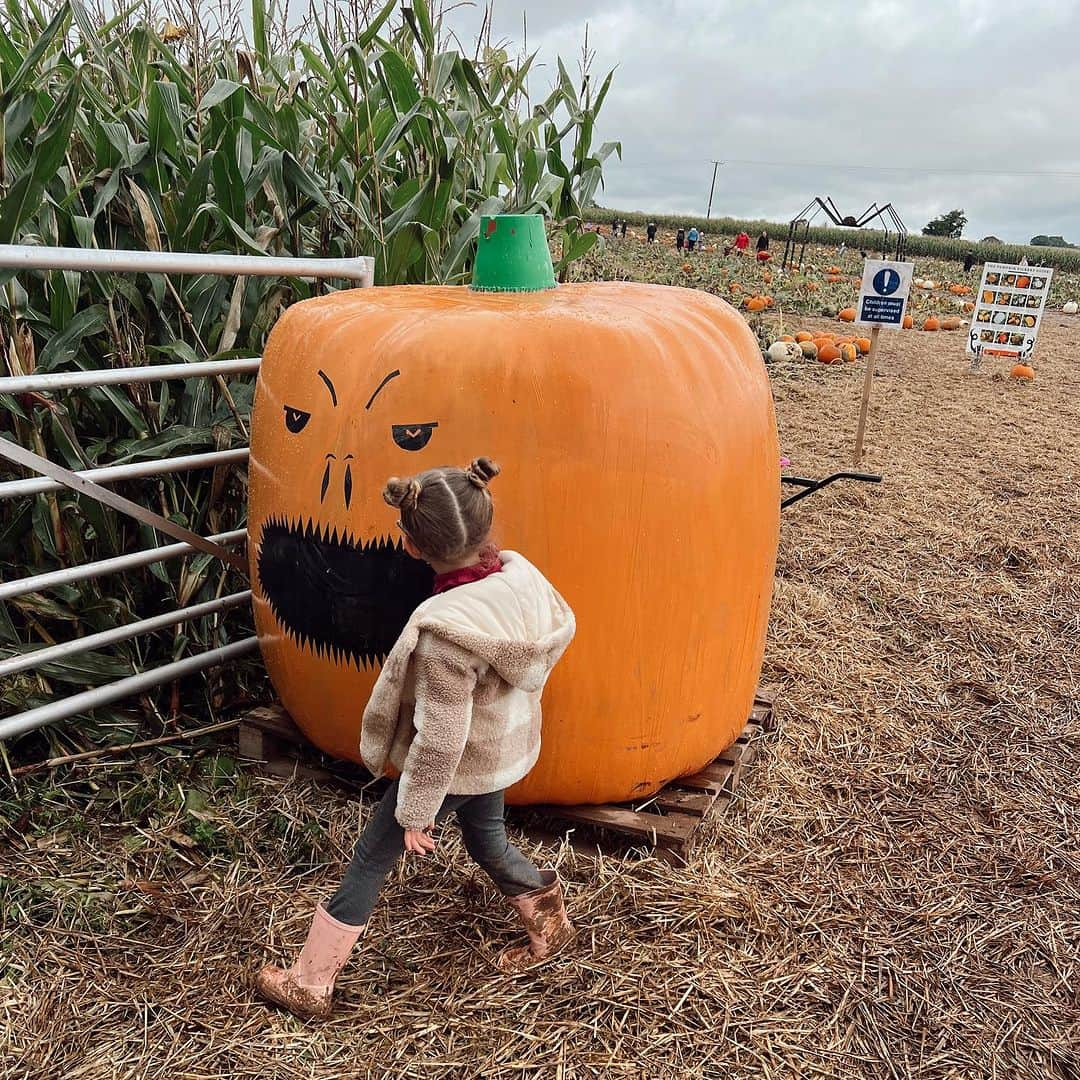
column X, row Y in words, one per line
column 829, row 354
column 951, row 323
column 969, row 307
column 832, row 279
column 687, row 268
column 833, row 270
column 1023, row 371
column 767, row 278
column 812, row 286
column 960, row 290
column 787, row 337
column 863, row 345
column 847, row 314
column 756, row 303
column 909, row 322
column 931, row 324
column 803, row 335
column 734, row 286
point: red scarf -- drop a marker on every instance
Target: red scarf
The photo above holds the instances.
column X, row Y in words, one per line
column 489, row 564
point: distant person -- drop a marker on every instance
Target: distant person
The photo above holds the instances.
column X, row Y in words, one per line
column 650, row 232
column 742, row 243
column 680, row 239
column 622, row 227
column 692, row 238
column 615, row 227
column 969, row 261
column 862, row 253
column 1023, row 261
column 763, row 242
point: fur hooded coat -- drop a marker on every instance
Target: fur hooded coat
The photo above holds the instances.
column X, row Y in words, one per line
column 456, row 708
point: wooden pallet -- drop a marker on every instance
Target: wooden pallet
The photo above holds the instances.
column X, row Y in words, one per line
column 669, row 821
column 269, row 739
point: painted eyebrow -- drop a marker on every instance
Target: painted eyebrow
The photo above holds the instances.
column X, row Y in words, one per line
column 329, row 386
column 393, row 375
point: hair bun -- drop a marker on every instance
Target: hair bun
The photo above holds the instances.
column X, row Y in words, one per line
column 403, row 494
column 480, row 470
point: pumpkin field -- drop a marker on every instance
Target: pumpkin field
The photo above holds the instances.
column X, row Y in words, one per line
column 894, row 893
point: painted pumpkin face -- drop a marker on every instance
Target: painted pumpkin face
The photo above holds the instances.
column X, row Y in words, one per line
column 635, row 430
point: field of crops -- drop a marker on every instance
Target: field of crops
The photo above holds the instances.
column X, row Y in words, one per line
column 811, row 290
column 931, row 247
column 364, row 130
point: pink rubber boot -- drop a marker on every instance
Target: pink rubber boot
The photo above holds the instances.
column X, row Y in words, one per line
column 544, row 915
column 307, row 988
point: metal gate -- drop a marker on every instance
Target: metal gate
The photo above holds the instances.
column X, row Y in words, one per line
column 93, row 482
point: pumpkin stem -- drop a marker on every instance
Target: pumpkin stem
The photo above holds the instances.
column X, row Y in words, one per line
column 512, row 255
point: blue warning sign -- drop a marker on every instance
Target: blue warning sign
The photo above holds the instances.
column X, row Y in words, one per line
column 884, row 292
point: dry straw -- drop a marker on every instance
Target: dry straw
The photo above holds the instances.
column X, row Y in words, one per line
column 896, row 892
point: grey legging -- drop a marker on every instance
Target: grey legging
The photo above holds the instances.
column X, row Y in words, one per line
column 382, row 843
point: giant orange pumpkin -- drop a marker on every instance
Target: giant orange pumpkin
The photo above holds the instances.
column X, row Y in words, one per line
column 635, row 429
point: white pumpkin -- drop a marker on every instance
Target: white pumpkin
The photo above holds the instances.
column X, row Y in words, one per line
column 1070, row 308
column 784, row 350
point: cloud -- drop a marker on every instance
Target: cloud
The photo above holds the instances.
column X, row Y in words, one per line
column 946, row 94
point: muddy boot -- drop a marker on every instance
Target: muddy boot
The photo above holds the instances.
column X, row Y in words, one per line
column 544, row 915
column 306, row 988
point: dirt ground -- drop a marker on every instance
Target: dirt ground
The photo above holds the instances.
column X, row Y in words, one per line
column 896, row 892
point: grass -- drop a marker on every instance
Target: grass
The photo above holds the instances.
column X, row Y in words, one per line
column 895, row 892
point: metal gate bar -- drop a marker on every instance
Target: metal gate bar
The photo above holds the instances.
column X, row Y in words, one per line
column 52, row 579
column 68, row 380
column 40, row 657
column 134, row 470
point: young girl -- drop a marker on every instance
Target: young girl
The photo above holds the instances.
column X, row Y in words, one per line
column 456, row 709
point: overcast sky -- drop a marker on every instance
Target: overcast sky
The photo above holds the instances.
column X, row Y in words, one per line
column 949, row 93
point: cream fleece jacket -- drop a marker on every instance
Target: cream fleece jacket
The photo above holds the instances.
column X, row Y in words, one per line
column 456, row 707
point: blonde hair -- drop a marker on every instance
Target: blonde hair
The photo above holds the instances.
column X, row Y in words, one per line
column 446, row 512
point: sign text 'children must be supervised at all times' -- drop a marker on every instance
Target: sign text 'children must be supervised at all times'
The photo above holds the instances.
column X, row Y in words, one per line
column 883, row 295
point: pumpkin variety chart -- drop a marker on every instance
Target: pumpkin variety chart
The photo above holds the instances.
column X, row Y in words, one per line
column 1008, row 309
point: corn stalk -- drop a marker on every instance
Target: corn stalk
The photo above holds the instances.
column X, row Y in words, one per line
column 361, row 131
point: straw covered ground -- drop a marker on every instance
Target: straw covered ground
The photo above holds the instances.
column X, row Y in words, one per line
column 895, row 893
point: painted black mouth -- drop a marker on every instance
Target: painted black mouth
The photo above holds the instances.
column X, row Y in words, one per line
column 345, row 599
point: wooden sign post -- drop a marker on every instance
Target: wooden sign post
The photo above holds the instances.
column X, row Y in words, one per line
column 883, row 298
column 868, row 381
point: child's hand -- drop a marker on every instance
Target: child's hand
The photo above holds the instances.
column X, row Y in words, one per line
column 419, row 841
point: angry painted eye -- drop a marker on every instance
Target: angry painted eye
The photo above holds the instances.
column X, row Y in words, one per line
column 296, row 419
column 413, row 436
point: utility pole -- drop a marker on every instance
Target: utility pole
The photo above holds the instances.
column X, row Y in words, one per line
column 712, row 187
